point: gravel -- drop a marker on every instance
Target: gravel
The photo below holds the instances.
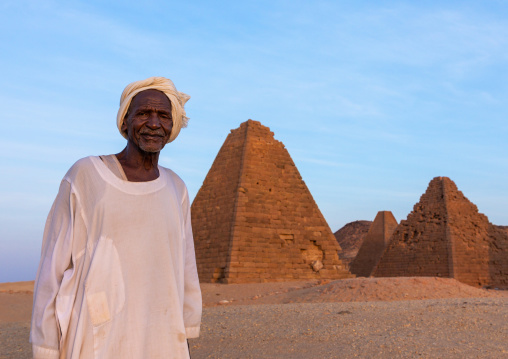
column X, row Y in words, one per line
column 444, row 328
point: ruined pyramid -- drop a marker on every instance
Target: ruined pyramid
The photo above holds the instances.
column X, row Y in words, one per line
column 374, row 244
column 254, row 219
column 446, row 236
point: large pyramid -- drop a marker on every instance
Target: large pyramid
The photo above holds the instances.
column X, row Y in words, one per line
column 445, row 236
column 254, row 219
column 374, row 244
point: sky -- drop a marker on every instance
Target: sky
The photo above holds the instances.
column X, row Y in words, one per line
column 372, row 99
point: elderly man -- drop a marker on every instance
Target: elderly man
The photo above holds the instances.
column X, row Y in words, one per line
column 117, row 276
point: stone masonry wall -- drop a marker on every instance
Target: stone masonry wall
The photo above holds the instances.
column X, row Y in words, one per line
column 213, row 210
column 498, row 252
column 419, row 245
column 479, row 249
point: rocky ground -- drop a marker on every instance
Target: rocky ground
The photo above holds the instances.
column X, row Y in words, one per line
column 362, row 317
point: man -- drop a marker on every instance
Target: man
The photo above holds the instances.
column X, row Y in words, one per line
column 117, row 276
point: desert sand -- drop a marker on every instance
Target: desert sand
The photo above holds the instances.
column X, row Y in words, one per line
column 415, row 317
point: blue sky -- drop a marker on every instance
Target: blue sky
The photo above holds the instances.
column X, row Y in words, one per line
column 371, row 98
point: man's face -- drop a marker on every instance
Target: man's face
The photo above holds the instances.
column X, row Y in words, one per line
column 148, row 122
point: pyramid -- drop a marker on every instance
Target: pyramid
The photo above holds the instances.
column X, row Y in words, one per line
column 254, row 219
column 446, row 236
column 374, row 244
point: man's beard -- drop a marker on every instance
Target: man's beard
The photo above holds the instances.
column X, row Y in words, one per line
column 150, row 152
column 147, row 148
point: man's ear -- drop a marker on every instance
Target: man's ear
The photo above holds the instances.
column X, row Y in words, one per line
column 124, row 126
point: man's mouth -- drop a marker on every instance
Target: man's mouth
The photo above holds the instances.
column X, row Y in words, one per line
column 153, row 136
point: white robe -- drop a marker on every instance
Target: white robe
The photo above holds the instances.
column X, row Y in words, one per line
column 117, row 276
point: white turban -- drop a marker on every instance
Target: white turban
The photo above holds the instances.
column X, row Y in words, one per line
column 177, row 99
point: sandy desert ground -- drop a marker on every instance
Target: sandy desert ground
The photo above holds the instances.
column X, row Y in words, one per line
column 353, row 318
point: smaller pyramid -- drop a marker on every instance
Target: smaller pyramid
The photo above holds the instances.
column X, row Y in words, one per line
column 254, row 219
column 374, row 244
column 446, row 236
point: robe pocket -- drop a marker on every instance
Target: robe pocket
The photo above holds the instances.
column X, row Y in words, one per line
column 104, row 288
column 98, row 308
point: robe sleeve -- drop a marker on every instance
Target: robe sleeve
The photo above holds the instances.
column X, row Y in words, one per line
column 55, row 259
column 192, row 306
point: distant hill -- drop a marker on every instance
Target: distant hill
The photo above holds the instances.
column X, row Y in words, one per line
column 350, row 238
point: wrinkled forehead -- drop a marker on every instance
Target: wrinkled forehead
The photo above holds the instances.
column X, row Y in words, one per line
column 150, row 97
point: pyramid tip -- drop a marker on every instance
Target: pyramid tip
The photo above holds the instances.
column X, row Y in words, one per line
column 441, row 179
column 251, row 122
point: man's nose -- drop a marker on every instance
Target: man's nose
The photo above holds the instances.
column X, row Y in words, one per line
column 153, row 120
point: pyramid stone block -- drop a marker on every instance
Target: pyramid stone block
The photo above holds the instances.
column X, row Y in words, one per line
column 254, row 219
column 374, row 244
column 446, row 236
